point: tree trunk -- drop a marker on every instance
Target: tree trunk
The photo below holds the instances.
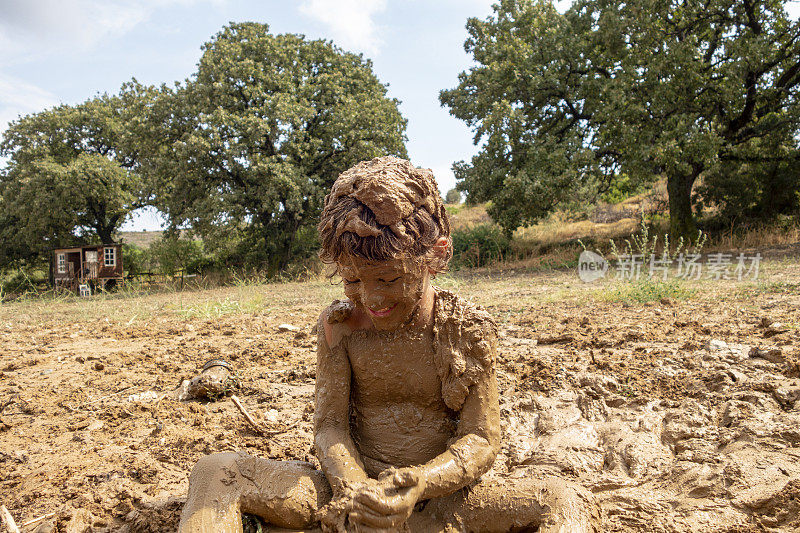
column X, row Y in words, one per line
column 283, row 253
column 106, row 234
column 681, row 218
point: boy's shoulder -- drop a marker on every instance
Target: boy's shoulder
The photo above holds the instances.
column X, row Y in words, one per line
column 452, row 309
column 338, row 312
column 465, row 345
column 337, row 321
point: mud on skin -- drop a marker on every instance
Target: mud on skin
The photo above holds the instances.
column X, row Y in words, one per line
column 406, row 407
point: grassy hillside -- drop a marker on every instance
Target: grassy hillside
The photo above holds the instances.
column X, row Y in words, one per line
column 142, row 239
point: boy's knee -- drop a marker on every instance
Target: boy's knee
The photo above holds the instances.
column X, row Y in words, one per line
column 213, row 465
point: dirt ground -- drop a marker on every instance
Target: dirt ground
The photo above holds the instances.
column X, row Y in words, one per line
column 679, row 414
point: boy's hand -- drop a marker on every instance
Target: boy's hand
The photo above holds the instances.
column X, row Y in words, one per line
column 388, row 502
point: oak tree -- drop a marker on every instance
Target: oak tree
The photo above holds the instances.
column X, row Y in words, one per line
column 70, row 175
column 269, row 121
column 565, row 103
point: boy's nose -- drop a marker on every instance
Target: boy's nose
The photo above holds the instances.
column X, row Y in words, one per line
column 375, row 299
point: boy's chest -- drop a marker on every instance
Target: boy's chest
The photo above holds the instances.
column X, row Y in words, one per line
column 395, row 367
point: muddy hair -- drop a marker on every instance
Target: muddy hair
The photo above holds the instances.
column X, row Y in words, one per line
column 422, row 228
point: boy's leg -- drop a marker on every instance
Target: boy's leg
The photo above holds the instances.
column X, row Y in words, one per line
column 546, row 504
column 224, row 485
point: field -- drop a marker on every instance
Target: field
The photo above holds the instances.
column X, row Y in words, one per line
column 677, row 404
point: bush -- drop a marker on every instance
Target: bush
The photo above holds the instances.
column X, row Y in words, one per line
column 174, row 254
column 22, row 280
column 453, row 196
column 135, row 259
column 479, row 245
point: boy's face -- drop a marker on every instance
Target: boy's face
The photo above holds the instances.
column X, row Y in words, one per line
column 388, row 291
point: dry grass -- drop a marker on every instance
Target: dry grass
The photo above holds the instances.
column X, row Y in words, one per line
column 774, row 236
column 557, row 230
column 464, row 216
column 142, row 239
column 553, row 242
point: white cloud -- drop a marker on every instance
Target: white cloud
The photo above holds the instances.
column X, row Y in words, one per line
column 18, row 97
column 29, row 28
column 350, row 22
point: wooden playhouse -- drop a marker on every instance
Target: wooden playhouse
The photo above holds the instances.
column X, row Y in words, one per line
column 85, row 269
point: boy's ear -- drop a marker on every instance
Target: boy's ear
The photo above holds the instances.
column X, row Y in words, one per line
column 439, row 249
column 440, row 246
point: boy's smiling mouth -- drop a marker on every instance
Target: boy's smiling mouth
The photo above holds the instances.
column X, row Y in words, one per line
column 384, row 311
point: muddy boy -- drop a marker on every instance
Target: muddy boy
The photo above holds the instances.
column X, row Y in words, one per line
column 406, row 409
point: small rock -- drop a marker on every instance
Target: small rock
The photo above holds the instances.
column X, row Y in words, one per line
column 98, row 365
column 668, row 301
column 772, row 354
column 787, row 397
column 715, row 344
column 48, row 526
column 212, row 384
column 272, row 416
column 288, row 327
column 146, row 396
column 776, row 328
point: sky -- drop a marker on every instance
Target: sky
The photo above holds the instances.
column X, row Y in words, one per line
column 66, row 51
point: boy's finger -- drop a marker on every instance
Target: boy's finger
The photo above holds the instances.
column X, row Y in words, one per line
column 367, row 518
column 383, row 505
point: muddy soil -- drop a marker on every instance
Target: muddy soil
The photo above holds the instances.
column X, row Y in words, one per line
column 678, row 414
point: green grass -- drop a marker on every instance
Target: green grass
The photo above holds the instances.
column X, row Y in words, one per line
column 646, row 290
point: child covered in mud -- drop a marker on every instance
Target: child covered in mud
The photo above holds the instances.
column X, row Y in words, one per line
column 406, row 410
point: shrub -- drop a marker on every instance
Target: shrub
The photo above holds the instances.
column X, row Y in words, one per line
column 479, row 245
column 174, row 254
column 135, row 259
column 453, row 196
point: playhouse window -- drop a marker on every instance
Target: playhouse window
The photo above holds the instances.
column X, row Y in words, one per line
column 110, row 257
column 62, row 263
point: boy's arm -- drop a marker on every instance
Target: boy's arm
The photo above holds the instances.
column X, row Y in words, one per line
column 336, row 451
column 476, row 445
column 471, row 454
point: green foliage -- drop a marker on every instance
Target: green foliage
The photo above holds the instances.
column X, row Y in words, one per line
column 70, row 177
column 260, row 134
column 168, row 255
column 754, row 190
column 479, row 246
column 565, row 104
column 22, row 281
column 621, row 188
column 135, row 259
column 173, row 254
column 453, row 196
